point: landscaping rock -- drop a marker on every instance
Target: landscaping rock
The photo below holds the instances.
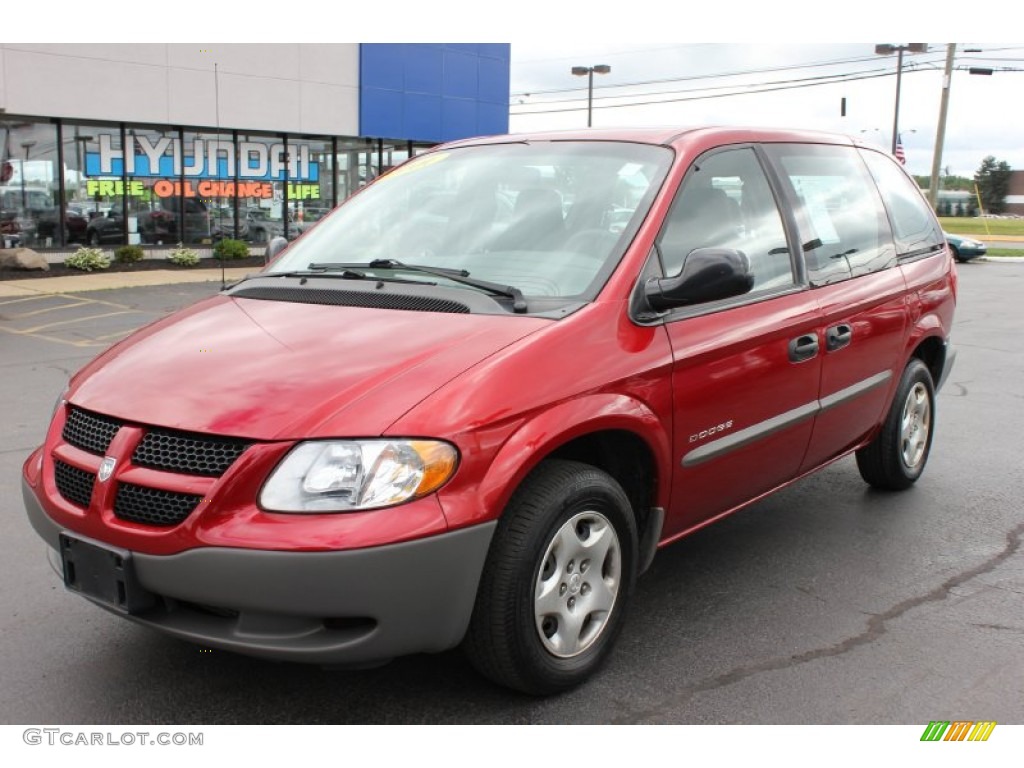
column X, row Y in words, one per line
column 24, row 259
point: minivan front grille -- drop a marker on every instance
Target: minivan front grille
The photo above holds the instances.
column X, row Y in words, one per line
column 89, row 431
column 74, row 484
column 187, row 453
column 152, row 506
column 178, row 453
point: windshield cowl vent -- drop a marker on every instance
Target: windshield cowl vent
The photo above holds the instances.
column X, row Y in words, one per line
column 341, row 298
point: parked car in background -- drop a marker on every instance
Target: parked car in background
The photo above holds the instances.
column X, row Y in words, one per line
column 965, row 248
column 48, row 226
column 223, row 221
column 105, row 229
column 261, row 228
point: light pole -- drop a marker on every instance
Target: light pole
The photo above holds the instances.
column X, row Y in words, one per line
column 887, row 49
column 601, row 69
column 940, row 133
column 26, row 145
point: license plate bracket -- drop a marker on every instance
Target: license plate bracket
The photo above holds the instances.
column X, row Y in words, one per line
column 103, row 574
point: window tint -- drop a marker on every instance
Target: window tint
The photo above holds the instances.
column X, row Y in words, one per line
column 913, row 224
column 842, row 223
column 726, row 202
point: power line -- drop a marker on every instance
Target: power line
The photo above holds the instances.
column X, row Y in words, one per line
column 845, row 79
column 919, row 61
column 689, row 78
column 833, row 77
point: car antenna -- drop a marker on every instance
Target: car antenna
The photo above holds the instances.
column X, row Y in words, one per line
column 216, row 155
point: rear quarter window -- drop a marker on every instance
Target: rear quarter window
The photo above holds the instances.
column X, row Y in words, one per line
column 914, row 226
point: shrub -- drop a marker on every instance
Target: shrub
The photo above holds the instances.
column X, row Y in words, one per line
column 228, row 249
column 87, row 259
column 128, row 254
column 184, row 257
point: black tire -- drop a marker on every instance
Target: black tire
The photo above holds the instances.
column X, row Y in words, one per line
column 562, row 508
column 956, row 253
column 897, row 456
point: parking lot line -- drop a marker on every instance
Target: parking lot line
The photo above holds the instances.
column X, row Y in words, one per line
column 34, row 297
column 77, row 320
column 55, row 339
column 46, row 309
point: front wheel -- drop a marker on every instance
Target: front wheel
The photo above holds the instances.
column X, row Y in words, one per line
column 560, row 571
column 896, row 457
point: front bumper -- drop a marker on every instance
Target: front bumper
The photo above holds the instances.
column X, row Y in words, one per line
column 335, row 608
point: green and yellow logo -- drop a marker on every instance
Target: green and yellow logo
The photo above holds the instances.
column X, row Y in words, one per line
column 958, row 730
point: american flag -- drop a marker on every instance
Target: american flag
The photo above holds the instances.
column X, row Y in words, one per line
column 899, row 150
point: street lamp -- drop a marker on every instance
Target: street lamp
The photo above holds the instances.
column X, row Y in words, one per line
column 887, row 49
column 601, row 69
column 26, row 145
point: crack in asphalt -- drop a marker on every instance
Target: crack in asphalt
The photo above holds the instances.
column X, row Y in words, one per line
column 1000, row 627
column 875, row 629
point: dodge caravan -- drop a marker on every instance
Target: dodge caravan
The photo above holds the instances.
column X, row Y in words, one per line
column 468, row 406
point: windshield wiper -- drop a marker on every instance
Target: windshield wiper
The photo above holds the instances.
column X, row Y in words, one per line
column 455, row 275
column 334, row 271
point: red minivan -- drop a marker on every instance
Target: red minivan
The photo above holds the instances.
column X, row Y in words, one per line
column 469, row 405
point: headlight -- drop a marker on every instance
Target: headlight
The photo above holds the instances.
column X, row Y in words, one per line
column 352, row 475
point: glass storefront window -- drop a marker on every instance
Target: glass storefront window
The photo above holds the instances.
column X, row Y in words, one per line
column 261, row 187
column 154, row 172
column 310, row 182
column 357, row 165
column 207, row 201
column 94, row 184
column 29, row 185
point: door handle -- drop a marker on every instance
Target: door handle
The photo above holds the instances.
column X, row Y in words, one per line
column 803, row 347
column 838, row 336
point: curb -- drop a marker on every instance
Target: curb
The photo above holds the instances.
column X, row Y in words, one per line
column 98, row 282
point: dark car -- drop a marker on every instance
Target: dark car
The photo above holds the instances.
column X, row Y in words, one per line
column 107, row 228
column 262, row 228
column 965, row 248
column 48, row 225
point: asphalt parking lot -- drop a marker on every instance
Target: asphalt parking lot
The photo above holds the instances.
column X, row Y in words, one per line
column 827, row 603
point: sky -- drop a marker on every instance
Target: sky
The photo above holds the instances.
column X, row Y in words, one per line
column 658, row 40
column 985, row 114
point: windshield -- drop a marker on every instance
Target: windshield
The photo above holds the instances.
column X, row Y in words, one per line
column 551, row 219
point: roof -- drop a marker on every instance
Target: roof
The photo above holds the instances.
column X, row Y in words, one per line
column 670, row 135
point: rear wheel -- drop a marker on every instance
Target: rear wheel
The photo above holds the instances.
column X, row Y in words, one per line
column 897, row 456
column 560, row 571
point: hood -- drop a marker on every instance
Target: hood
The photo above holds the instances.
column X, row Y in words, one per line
column 277, row 370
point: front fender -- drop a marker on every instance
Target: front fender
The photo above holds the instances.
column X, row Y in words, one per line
column 536, row 437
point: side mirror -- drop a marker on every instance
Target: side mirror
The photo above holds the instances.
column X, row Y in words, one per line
column 275, row 246
column 709, row 274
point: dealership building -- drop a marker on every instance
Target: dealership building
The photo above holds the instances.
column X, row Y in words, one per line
column 157, row 144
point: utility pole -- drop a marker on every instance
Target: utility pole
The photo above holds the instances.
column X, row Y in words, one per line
column 940, row 134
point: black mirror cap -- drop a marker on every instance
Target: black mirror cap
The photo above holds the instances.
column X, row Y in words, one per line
column 275, row 246
column 709, row 274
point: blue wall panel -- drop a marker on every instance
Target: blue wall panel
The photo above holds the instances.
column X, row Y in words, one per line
column 433, row 91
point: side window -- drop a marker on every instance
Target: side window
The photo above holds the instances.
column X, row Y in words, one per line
column 843, row 227
column 725, row 202
column 914, row 226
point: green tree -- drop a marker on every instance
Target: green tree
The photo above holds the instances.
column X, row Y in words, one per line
column 993, row 180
